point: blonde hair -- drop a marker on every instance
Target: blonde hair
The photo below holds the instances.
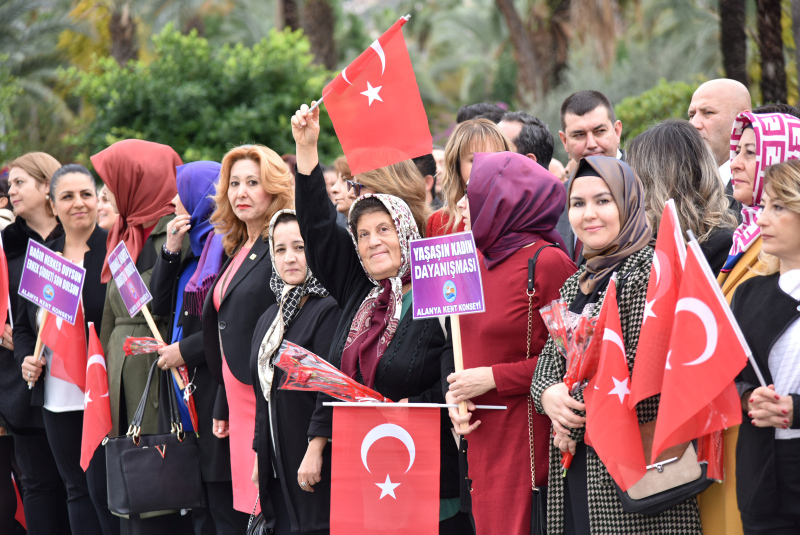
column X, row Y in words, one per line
column 276, row 179
column 41, row 167
column 403, row 180
column 341, row 166
column 783, row 181
column 467, row 137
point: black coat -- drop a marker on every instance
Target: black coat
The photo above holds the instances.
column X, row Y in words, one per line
column 93, row 296
column 412, row 365
column 291, row 412
column 764, row 312
column 247, row 297
column 717, row 247
column 215, row 456
column 15, row 400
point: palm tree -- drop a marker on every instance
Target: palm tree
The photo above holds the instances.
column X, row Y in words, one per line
column 770, row 46
column 733, row 39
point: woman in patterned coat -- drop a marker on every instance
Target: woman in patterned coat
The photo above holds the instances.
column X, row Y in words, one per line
column 607, row 213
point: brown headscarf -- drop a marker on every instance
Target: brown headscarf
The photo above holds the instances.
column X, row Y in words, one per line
column 634, row 233
column 141, row 176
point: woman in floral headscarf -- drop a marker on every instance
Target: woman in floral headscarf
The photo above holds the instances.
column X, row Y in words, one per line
column 366, row 269
column 304, row 315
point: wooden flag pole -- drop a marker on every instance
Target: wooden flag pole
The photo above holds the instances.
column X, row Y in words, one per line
column 458, row 359
column 152, row 324
column 37, row 351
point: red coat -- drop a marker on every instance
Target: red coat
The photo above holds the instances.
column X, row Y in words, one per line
column 499, row 450
column 438, row 225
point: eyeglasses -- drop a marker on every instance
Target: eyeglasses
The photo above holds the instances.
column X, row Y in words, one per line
column 352, row 185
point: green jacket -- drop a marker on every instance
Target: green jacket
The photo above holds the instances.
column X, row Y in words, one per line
column 129, row 374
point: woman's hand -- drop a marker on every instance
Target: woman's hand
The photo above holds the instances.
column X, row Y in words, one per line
column 310, row 471
column 220, row 428
column 254, row 477
column 32, row 368
column 471, row 383
column 558, row 405
column 305, row 129
column 8, row 340
column 170, row 357
column 768, row 409
column 175, row 231
column 564, row 443
column 457, row 419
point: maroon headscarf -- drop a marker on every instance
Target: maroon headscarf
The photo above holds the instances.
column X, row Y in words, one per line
column 141, row 176
column 513, row 202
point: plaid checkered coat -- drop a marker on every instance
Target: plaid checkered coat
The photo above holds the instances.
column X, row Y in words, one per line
column 605, row 510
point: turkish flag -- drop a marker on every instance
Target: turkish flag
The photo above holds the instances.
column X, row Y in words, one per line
column 706, row 353
column 659, row 311
column 376, row 108
column 19, row 516
column 385, row 470
column 5, row 302
column 612, row 427
column 68, row 343
column 96, row 407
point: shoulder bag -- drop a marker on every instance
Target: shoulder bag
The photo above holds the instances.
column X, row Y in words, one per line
column 539, row 494
column 148, row 473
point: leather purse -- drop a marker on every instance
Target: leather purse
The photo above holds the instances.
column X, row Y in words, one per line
column 538, row 494
column 257, row 525
column 674, row 477
column 148, row 473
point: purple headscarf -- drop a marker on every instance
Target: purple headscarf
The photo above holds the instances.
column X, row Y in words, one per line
column 196, row 185
column 513, row 202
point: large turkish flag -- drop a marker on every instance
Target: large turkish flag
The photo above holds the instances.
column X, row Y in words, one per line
column 662, row 295
column 706, row 353
column 385, row 470
column 68, row 343
column 376, row 108
column 96, row 407
column 612, row 427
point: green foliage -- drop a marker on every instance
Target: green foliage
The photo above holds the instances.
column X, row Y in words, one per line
column 664, row 101
column 9, row 90
column 203, row 100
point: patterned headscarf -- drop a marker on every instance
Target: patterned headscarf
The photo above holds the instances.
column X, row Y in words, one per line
column 634, row 233
column 289, row 297
column 776, row 141
column 377, row 318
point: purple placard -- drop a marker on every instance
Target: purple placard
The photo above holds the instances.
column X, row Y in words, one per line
column 51, row 282
column 446, row 276
column 131, row 287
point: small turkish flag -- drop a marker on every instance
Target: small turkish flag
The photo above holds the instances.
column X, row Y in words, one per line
column 612, row 427
column 19, row 516
column 376, row 108
column 706, row 353
column 5, row 302
column 659, row 310
column 68, row 343
column 385, row 470
column 96, row 407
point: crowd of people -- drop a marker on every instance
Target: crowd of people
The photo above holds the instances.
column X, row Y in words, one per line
column 244, row 254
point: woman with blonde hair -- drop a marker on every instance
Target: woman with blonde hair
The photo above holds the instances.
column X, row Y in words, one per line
column 673, row 162
column 767, row 308
column 469, row 137
column 254, row 184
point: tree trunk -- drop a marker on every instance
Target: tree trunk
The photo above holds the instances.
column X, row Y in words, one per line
column 733, row 40
column 796, row 31
column 287, row 14
column 773, row 71
column 319, row 19
column 528, row 65
column 122, row 27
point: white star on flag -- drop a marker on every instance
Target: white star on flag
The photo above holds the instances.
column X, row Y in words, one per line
column 620, row 388
column 372, row 94
column 648, row 310
column 86, row 398
column 387, row 488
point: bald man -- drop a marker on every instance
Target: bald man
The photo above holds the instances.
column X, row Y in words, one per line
column 714, row 107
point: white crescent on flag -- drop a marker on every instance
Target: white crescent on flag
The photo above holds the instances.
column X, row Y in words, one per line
column 384, row 431
column 376, row 46
column 613, row 337
column 701, row 310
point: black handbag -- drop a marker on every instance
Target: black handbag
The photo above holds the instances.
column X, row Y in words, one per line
column 257, row 525
column 538, row 494
column 149, row 473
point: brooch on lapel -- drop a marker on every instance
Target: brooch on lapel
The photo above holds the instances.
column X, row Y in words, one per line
column 253, row 256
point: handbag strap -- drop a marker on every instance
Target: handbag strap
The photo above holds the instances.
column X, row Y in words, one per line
column 253, row 514
column 135, row 429
column 531, row 292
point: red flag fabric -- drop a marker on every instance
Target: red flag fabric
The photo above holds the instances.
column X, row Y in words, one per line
column 5, row 303
column 19, row 516
column 706, row 352
column 385, row 470
column 612, row 427
column 376, row 108
column 96, row 406
column 662, row 295
column 68, row 343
